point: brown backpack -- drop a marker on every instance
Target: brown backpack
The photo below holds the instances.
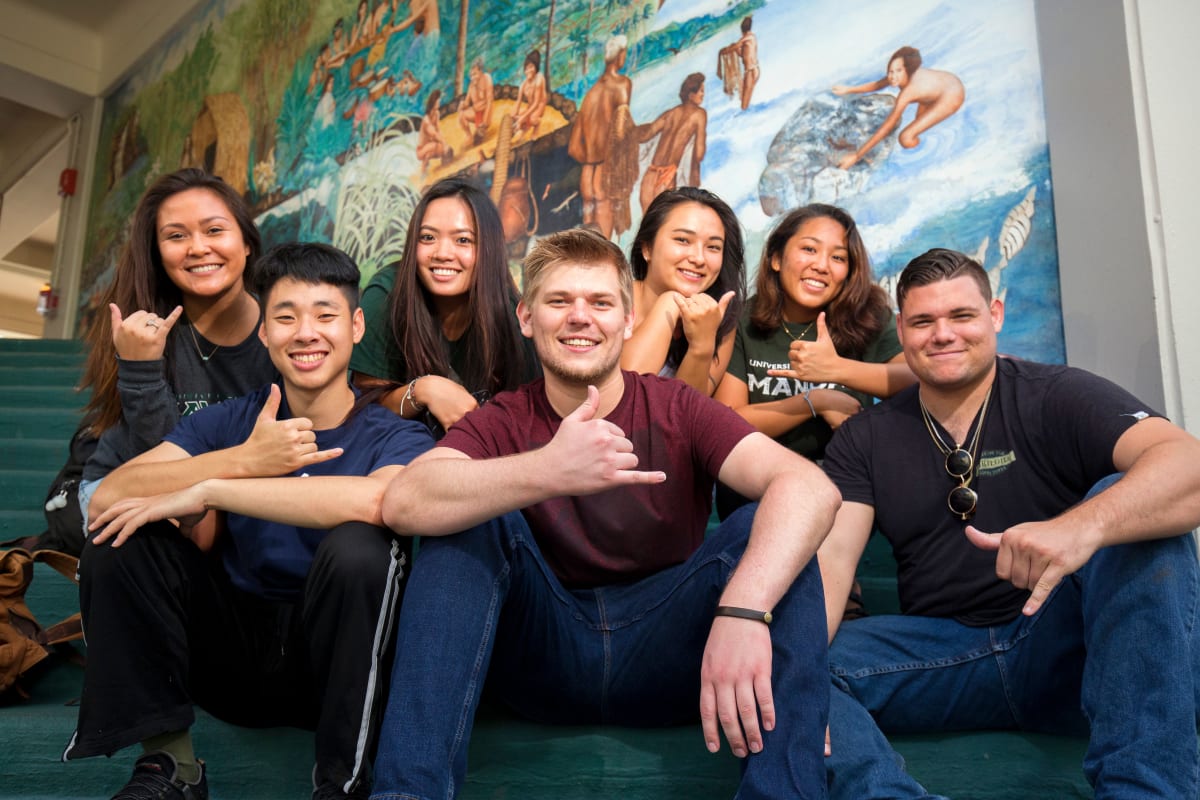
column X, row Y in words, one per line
column 23, row 642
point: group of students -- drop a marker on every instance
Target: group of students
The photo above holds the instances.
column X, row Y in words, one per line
column 252, row 557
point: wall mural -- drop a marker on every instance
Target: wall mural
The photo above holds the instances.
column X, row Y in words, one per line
column 924, row 120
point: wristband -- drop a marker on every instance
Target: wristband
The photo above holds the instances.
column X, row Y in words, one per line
column 810, row 405
column 408, row 397
column 744, row 613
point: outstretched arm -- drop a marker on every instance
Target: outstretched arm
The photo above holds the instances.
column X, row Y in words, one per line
column 322, row 502
column 797, row 504
column 887, row 127
column 445, row 492
column 862, row 88
column 777, row 417
column 1158, row 497
column 274, row 447
column 839, row 556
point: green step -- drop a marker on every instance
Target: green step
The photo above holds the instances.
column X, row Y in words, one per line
column 39, row 423
column 36, row 375
column 42, row 346
column 27, row 521
column 9, row 358
column 41, row 396
column 33, row 453
column 23, row 488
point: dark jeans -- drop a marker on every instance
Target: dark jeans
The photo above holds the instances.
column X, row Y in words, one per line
column 165, row 629
column 484, row 604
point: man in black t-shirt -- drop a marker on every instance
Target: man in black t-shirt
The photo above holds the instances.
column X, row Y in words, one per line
column 1025, row 599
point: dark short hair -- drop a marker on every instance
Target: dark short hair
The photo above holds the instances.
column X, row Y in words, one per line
column 691, row 84
column 579, row 246
column 434, row 98
column 535, row 58
column 307, row 262
column 747, row 21
column 910, row 56
column 940, row 264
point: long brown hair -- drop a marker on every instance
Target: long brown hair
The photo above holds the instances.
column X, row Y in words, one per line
column 856, row 313
column 140, row 283
column 494, row 357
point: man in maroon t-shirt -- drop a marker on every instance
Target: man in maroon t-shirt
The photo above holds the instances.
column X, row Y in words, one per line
column 579, row 580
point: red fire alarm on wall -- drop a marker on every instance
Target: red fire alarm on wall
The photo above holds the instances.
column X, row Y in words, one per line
column 66, row 182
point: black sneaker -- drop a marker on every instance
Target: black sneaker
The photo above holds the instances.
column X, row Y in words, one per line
column 155, row 777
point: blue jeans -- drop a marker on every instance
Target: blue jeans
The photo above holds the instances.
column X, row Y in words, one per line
column 484, row 603
column 1112, row 652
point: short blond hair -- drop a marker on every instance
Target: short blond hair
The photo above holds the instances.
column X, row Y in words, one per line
column 575, row 246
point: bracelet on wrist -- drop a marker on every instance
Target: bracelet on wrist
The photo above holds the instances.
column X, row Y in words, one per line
column 811, row 409
column 764, row 617
column 411, row 399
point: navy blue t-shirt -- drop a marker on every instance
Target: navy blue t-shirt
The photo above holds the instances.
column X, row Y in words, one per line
column 1048, row 437
column 267, row 558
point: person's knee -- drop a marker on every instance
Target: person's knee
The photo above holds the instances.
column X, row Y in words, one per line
column 357, row 551
column 909, row 140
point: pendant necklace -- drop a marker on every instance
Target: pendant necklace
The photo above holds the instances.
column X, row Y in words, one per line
column 196, row 342
column 788, row 331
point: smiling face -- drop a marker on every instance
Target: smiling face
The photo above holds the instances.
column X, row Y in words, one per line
column 309, row 331
column 687, row 250
column 577, row 323
column 897, row 75
column 446, row 243
column 812, row 268
column 200, row 243
column 948, row 332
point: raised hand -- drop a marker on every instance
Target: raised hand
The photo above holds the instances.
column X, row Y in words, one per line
column 1036, row 555
column 278, row 447
column 735, row 685
column 142, row 336
column 701, row 316
column 589, row 455
column 817, row 361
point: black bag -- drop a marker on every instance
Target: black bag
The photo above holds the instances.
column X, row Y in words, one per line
column 64, row 519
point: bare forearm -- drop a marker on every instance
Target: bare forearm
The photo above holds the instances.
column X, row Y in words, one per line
column 646, row 350
column 794, row 516
column 316, row 502
column 776, row 417
column 437, row 497
column 696, row 370
column 877, row 380
column 159, row 477
column 1158, row 497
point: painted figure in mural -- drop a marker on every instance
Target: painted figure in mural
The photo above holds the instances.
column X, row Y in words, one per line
column 422, row 15
column 281, row 616
column 687, row 258
column 430, row 142
column 475, row 110
column 564, row 558
column 182, row 325
column 320, row 68
column 681, row 130
column 817, row 340
column 531, row 97
column 361, row 32
column 339, row 47
column 442, row 334
column 745, row 51
column 603, row 119
column 1039, row 594
column 323, row 116
column 937, row 93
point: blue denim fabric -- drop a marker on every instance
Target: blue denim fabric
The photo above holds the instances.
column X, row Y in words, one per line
column 627, row 655
column 1113, row 652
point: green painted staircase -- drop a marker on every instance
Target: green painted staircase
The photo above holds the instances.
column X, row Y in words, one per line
column 509, row 758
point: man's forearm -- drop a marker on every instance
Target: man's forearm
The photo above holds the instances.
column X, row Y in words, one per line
column 320, row 501
column 150, row 478
column 441, row 496
column 1158, row 497
column 794, row 516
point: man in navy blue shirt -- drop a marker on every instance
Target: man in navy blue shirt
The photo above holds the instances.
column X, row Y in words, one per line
column 267, row 600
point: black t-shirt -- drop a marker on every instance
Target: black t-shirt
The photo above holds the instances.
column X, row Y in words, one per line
column 1048, row 437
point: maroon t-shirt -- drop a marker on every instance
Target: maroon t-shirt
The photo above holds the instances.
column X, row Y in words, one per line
column 628, row 532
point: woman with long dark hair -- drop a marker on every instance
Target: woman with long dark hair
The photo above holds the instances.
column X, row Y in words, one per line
column 818, row 339
column 688, row 265
column 182, row 328
column 442, row 332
